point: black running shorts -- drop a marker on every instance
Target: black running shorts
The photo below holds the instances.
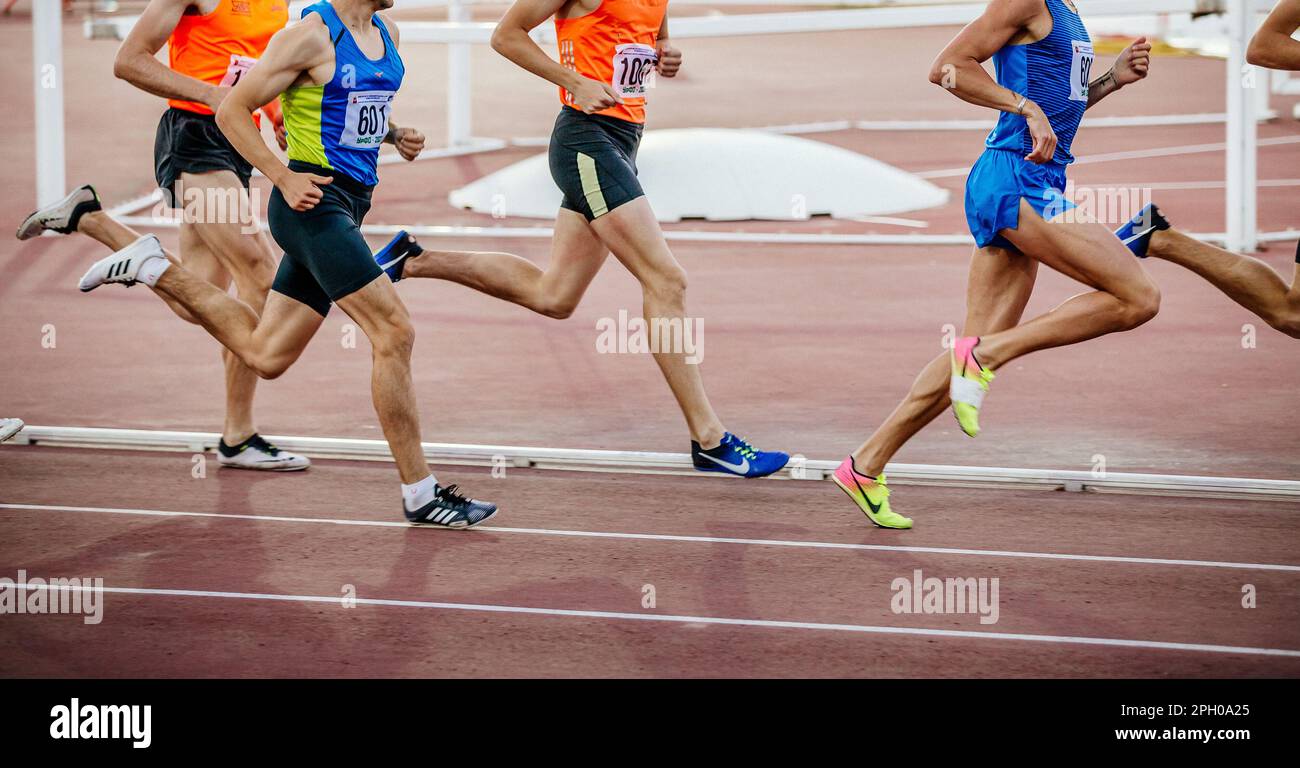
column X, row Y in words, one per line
column 593, row 161
column 325, row 256
column 188, row 142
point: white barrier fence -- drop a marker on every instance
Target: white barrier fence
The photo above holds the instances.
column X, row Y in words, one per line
column 641, row 462
column 459, row 32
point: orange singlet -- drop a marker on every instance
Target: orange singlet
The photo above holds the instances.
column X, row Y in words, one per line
column 614, row 44
column 218, row 47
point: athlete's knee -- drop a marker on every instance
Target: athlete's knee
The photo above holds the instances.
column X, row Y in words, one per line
column 667, row 282
column 558, row 308
column 1286, row 320
column 1141, row 306
column 394, row 338
column 267, row 366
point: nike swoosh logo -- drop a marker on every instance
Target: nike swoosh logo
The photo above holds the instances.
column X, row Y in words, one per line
column 742, row 467
column 1128, row 240
column 875, row 508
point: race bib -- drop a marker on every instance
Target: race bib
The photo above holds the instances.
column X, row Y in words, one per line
column 366, row 122
column 1080, row 70
column 238, row 66
column 634, row 65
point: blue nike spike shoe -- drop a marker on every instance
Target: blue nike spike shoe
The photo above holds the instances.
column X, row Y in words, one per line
column 735, row 456
column 392, row 257
column 1136, row 234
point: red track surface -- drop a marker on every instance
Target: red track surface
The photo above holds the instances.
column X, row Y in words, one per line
column 774, row 314
column 154, row 635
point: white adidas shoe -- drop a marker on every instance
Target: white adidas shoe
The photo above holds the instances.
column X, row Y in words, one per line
column 61, row 217
column 9, row 428
column 124, row 265
column 257, row 453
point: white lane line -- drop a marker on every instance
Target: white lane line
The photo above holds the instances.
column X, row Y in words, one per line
column 672, row 619
column 684, row 538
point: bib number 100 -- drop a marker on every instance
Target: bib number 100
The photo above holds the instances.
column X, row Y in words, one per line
column 633, row 65
column 366, row 121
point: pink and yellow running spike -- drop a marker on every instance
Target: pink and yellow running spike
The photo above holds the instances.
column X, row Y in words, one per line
column 871, row 495
column 969, row 384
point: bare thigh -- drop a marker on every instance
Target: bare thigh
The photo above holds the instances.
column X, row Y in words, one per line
column 577, row 254
column 283, row 332
column 632, row 232
column 1083, row 250
column 1000, row 284
column 378, row 309
column 198, row 258
column 221, row 212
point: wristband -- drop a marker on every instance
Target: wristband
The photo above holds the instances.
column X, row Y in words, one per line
column 1020, row 105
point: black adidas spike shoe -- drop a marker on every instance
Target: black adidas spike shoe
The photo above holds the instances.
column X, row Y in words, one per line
column 449, row 509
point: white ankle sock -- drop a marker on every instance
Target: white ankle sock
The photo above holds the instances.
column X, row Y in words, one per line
column 153, row 269
column 419, row 493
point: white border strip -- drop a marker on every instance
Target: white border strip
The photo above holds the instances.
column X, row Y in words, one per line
column 715, row 620
column 675, row 463
column 681, row 538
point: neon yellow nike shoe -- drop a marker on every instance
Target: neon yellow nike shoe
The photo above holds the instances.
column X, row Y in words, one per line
column 969, row 384
column 871, row 496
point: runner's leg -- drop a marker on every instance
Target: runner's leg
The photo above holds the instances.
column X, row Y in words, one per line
column 268, row 345
column 382, row 316
column 632, row 233
column 576, row 256
column 1000, row 284
column 225, row 228
column 103, row 228
column 1244, row 279
column 1125, row 295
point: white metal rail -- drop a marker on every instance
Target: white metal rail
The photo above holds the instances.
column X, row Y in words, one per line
column 640, row 462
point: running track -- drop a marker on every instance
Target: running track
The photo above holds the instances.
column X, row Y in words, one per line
column 1180, row 395
column 492, row 601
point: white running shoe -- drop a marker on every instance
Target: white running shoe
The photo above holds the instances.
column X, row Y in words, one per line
column 257, row 453
column 9, row 428
column 61, row 217
column 124, row 265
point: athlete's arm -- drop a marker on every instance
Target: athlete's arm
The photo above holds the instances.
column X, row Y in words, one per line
column 409, row 141
column 1131, row 66
column 670, row 59
column 292, row 53
column 136, row 62
column 958, row 68
column 1272, row 46
column 510, row 39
